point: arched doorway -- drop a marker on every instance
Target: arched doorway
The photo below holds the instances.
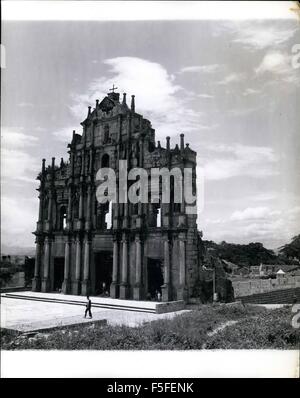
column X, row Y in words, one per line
column 155, row 277
column 105, row 160
column 103, row 272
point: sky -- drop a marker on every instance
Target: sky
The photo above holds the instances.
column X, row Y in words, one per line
column 230, row 86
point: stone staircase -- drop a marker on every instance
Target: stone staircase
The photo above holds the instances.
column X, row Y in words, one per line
column 283, row 296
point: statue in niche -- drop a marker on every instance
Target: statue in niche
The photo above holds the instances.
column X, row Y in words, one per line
column 135, row 154
column 106, row 134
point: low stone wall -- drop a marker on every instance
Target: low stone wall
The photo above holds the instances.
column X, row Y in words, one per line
column 255, row 286
column 169, row 306
column 17, row 280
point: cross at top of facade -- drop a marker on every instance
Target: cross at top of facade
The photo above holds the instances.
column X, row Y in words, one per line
column 113, row 88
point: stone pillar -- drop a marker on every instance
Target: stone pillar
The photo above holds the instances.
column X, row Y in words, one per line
column 41, row 205
column 76, row 283
column 66, row 283
column 125, row 215
column 47, row 256
column 166, row 294
column 48, row 224
column 69, row 212
column 116, row 210
column 124, row 283
column 114, row 284
column 181, row 295
column 85, row 286
column 81, row 203
column 36, row 282
column 182, row 216
column 137, row 291
column 88, row 208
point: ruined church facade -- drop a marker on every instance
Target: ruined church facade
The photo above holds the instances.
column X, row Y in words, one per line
column 124, row 250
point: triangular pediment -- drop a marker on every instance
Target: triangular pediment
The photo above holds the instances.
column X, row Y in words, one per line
column 106, row 104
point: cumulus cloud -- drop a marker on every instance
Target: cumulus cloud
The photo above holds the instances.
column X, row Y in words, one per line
column 279, row 65
column 271, row 226
column 158, row 96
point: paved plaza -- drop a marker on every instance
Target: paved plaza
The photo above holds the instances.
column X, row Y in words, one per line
column 28, row 315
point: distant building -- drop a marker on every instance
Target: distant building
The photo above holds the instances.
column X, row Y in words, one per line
column 280, row 274
column 271, row 269
column 255, row 270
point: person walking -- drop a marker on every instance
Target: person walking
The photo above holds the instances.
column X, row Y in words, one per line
column 88, row 307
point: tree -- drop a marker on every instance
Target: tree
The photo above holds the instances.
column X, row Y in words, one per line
column 6, row 272
column 291, row 250
column 243, row 255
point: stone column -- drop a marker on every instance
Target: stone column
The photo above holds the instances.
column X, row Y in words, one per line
column 85, row 286
column 76, row 283
column 36, row 282
column 69, row 212
column 124, row 283
column 116, row 205
column 182, row 215
column 88, row 208
column 66, row 283
column 125, row 215
column 114, row 284
column 166, row 286
column 41, row 205
column 81, row 203
column 47, row 256
column 137, row 291
column 48, row 224
column 181, row 295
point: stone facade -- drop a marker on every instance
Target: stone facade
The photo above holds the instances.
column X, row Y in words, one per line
column 125, row 250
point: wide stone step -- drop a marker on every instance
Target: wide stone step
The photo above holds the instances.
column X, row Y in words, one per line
column 97, row 302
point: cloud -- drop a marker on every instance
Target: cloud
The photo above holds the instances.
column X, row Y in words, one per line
column 232, row 78
column 200, row 69
column 238, row 160
column 251, row 91
column 18, row 220
column 203, row 95
column 25, row 105
column 253, row 213
column 259, row 36
column 64, row 134
column 279, row 65
column 17, row 163
column 17, row 139
column 273, row 227
column 158, row 97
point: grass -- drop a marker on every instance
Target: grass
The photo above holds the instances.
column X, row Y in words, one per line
column 257, row 327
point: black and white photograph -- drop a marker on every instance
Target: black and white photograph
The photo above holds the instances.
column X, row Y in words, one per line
column 150, row 190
